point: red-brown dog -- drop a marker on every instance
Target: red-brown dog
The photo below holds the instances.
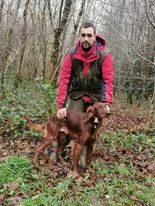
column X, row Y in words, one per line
column 78, row 125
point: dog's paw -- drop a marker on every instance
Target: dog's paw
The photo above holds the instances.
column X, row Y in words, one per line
column 35, row 164
column 75, row 175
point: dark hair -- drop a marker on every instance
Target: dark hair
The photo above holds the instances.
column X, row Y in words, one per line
column 87, row 24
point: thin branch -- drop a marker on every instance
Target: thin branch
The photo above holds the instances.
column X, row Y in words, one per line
column 1, row 55
column 13, row 58
column 60, row 12
column 153, row 63
column 13, row 10
column 50, row 13
column 148, row 15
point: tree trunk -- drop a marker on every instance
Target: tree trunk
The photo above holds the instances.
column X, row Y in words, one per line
column 57, row 34
column 79, row 17
column 23, row 45
column 1, row 10
column 4, row 58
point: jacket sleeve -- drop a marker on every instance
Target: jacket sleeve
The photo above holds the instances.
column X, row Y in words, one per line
column 108, row 79
column 64, row 78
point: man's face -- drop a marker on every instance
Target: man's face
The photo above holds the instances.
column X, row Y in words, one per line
column 87, row 37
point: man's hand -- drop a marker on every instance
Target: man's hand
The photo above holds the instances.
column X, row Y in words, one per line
column 61, row 113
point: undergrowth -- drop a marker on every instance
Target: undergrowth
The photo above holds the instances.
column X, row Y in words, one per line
column 116, row 180
column 36, row 99
column 123, row 163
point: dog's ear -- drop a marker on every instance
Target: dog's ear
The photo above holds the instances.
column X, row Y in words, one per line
column 89, row 113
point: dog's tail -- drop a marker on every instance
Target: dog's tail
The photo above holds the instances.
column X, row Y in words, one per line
column 33, row 126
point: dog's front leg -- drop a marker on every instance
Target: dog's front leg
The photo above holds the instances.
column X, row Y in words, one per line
column 73, row 149
column 76, row 157
column 89, row 153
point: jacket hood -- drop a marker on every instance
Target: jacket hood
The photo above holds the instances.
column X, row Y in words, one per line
column 100, row 42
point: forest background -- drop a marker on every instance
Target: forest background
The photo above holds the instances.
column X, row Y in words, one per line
column 34, row 38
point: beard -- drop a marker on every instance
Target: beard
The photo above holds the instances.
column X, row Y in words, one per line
column 86, row 46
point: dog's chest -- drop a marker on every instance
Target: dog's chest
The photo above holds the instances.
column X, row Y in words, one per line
column 74, row 124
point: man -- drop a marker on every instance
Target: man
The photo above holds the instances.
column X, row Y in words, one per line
column 86, row 75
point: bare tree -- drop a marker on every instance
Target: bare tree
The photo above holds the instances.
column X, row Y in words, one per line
column 5, row 45
column 4, row 58
column 1, row 10
column 150, row 12
column 23, row 44
column 81, row 11
column 132, row 44
column 62, row 20
column 76, row 18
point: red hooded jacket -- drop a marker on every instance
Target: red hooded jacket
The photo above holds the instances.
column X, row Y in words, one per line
column 87, row 58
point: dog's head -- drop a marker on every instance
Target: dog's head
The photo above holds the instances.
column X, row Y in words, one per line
column 99, row 110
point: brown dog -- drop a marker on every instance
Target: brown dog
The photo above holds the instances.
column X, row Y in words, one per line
column 78, row 125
